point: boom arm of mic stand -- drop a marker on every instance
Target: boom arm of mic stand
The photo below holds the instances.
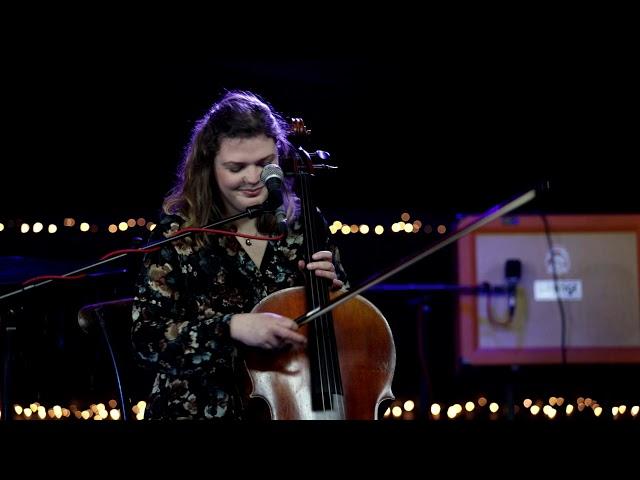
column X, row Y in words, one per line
column 482, row 289
column 251, row 212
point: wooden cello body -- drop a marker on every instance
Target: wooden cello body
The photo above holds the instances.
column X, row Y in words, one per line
column 365, row 354
column 347, row 367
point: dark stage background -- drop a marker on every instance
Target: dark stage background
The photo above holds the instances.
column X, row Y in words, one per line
column 97, row 134
column 445, row 129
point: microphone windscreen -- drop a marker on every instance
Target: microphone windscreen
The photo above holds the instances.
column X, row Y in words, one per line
column 272, row 176
column 271, row 171
column 513, row 269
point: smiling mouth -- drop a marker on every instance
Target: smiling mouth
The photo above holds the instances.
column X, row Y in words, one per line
column 254, row 192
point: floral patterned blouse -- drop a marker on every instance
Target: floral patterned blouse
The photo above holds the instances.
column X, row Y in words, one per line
column 185, row 297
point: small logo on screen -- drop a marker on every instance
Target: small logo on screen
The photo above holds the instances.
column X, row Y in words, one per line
column 544, row 290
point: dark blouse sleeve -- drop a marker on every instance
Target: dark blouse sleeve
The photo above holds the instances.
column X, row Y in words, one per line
column 167, row 333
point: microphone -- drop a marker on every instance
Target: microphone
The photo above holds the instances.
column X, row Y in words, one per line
column 512, row 274
column 272, row 176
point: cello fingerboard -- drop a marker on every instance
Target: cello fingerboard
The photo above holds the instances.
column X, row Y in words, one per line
column 323, row 364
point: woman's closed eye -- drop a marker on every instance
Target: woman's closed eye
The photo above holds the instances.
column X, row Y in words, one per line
column 237, row 168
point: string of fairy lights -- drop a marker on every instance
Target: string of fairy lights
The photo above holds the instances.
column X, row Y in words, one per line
column 70, row 223
column 550, row 409
column 404, row 225
column 95, row 411
column 553, row 408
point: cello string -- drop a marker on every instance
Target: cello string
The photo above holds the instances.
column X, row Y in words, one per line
column 329, row 364
column 318, row 327
column 332, row 354
column 333, row 358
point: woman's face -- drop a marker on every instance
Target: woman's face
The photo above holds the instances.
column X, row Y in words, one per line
column 237, row 169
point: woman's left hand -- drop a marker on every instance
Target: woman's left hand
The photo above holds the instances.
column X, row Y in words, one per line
column 323, row 266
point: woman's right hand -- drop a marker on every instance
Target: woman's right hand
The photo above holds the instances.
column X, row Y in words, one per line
column 265, row 330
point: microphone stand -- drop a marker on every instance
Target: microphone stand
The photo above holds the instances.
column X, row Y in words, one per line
column 482, row 289
column 8, row 325
column 251, row 212
column 8, row 331
column 423, row 317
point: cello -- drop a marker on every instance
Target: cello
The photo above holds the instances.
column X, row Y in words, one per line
column 346, row 369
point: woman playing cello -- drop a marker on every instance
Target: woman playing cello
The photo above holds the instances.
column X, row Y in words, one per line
column 193, row 317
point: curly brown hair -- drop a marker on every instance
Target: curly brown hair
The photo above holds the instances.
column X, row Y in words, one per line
column 238, row 114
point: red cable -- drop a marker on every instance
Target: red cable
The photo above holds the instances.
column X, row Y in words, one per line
column 54, row 277
column 129, row 250
column 229, row 233
column 149, row 250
